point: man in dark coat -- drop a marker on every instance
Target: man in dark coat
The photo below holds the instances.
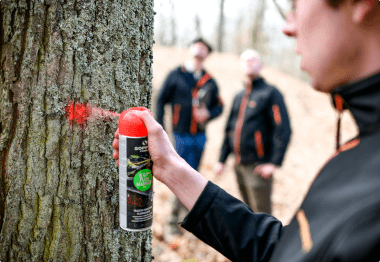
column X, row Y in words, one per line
column 257, row 132
column 193, row 95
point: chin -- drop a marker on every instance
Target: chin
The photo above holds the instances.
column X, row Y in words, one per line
column 253, row 76
column 320, row 87
column 316, row 86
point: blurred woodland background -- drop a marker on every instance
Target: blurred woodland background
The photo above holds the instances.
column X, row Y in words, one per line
column 230, row 27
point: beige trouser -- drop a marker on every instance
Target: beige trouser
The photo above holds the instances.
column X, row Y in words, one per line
column 256, row 191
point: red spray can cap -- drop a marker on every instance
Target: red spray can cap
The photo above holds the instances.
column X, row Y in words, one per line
column 131, row 125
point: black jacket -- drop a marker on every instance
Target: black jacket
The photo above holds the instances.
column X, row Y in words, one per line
column 177, row 90
column 265, row 133
column 339, row 220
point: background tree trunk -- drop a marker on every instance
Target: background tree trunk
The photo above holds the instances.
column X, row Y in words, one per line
column 59, row 183
column 173, row 24
column 198, row 29
column 220, row 38
column 257, row 30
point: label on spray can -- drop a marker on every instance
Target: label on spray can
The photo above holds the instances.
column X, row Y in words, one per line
column 135, row 177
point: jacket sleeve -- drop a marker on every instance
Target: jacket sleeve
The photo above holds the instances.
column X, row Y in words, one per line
column 165, row 96
column 226, row 146
column 215, row 104
column 230, row 226
column 279, row 120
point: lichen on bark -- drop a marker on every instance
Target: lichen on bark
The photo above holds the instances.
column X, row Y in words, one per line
column 59, row 183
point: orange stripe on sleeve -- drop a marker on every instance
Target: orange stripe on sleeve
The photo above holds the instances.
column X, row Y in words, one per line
column 307, row 242
column 259, row 144
column 176, row 113
column 276, row 114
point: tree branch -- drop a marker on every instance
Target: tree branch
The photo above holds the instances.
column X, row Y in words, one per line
column 282, row 13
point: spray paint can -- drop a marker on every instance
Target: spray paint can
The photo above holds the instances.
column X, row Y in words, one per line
column 135, row 173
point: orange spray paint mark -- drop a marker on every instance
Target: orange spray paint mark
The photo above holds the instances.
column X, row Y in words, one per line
column 79, row 114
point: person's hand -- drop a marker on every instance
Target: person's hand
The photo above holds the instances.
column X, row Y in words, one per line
column 219, row 169
column 160, row 149
column 265, row 170
column 201, row 114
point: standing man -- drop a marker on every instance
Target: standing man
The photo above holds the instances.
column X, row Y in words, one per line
column 257, row 132
column 193, row 95
column 339, row 219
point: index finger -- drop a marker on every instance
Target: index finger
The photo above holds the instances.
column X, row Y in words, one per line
column 150, row 123
column 117, row 134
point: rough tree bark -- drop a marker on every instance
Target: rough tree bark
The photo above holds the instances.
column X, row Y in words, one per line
column 59, row 182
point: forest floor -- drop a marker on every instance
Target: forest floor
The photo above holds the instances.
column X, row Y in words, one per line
column 313, row 123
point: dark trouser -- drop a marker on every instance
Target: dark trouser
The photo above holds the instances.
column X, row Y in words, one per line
column 189, row 147
column 256, row 191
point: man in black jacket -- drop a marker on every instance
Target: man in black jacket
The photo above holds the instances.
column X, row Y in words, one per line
column 193, row 95
column 339, row 219
column 257, row 132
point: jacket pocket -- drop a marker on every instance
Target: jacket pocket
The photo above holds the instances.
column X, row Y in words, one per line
column 259, row 144
column 176, row 114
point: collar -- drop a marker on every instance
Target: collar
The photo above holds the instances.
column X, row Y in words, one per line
column 257, row 81
column 187, row 67
column 362, row 98
column 254, row 84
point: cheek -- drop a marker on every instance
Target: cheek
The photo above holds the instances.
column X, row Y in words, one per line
column 317, row 41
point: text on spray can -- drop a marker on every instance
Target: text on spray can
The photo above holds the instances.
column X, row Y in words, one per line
column 135, row 174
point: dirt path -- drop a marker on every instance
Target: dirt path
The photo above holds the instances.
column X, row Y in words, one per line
column 313, row 123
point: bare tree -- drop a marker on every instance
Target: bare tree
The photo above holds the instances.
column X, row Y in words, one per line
column 160, row 35
column 257, row 23
column 173, row 24
column 239, row 35
column 279, row 9
column 59, row 182
column 197, row 22
column 219, row 45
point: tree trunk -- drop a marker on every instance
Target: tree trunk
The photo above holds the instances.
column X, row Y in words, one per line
column 219, row 46
column 257, row 26
column 198, row 30
column 59, row 182
column 173, row 24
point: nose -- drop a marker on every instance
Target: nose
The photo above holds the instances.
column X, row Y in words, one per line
column 289, row 28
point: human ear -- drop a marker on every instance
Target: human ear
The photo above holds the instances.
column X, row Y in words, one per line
column 361, row 9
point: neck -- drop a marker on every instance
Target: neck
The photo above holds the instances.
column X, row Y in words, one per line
column 248, row 84
column 250, row 78
column 370, row 63
column 198, row 64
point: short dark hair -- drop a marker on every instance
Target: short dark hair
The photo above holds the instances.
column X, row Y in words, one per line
column 336, row 3
column 200, row 39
